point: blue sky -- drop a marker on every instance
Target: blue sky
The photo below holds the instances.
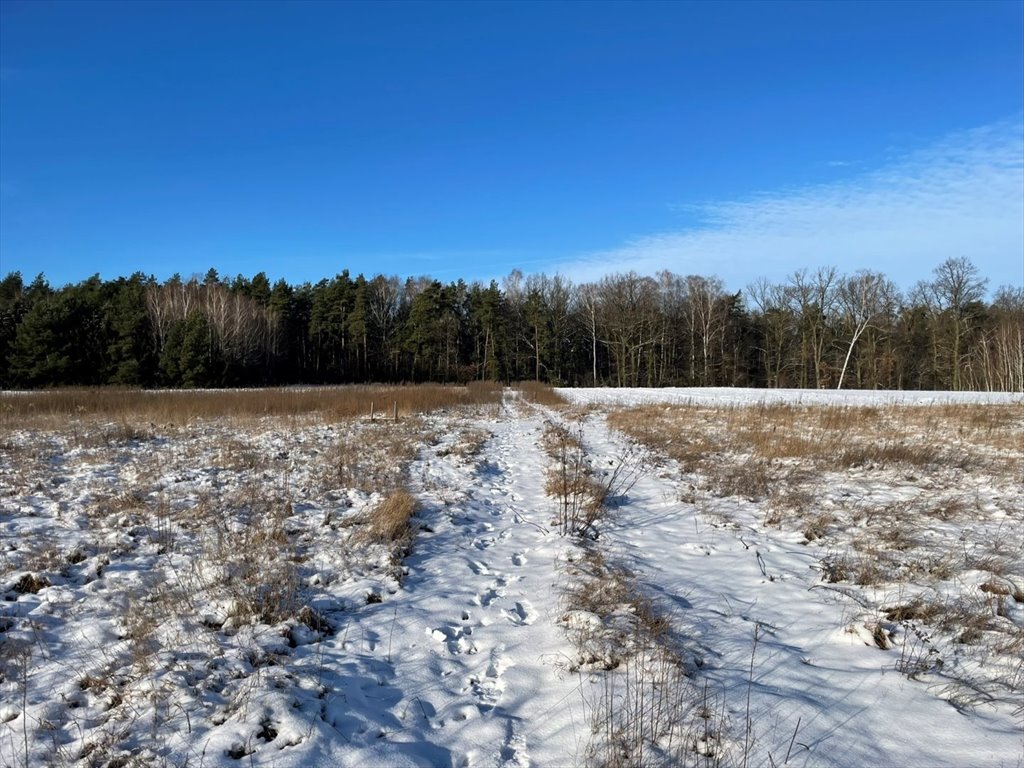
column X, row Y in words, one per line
column 467, row 139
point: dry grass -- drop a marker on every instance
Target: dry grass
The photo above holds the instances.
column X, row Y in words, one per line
column 468, row 443
column 259, row 567
column 571, row 481
column 389, row 524
column 585, row 493
column 833, row 438
column 374, row 458
column 609, row 592
column 221, row 523
column 133, row 411
column 389, row 520
column 541, row 394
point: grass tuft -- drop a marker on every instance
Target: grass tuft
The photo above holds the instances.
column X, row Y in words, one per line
column 389, row 520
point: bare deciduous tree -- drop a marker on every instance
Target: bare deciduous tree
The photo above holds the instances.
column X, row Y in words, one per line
column 813, row 298
column 956, row 287
column 864, row 298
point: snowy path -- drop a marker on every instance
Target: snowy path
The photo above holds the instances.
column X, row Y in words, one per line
column 476, row 673
column 720, row 581
column 490, row 566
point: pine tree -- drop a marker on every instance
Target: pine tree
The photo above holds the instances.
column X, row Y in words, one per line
column 131, row 352
column 13, row 305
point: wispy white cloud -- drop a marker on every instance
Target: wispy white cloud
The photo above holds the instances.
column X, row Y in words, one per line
column 961, row 196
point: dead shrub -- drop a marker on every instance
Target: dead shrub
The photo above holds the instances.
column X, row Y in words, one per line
column 583, row 494
column 568, row 481
column 918, row 654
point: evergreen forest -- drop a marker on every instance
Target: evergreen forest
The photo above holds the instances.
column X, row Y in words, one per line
column 817, row 329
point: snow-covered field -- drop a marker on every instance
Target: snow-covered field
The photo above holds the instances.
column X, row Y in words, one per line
column 219, row 593
column 746, row 396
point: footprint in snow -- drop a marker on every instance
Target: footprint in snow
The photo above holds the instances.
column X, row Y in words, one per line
column 513, row 752
column 499, row 663
column 492, row 593
column 484, row 543
column 487, row 597
column 478, row 568
column 455, row 639
column 487, row 690
column 522, row 613
column 519, row 558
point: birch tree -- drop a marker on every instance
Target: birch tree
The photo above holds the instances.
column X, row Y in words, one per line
column 864, row 298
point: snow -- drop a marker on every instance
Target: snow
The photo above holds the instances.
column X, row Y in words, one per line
column 749, row 396
column 125, row 564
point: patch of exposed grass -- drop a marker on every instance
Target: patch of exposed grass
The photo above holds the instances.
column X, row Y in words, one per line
column 389, row 520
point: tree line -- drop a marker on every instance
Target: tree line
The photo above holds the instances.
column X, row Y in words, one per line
column 818, row 329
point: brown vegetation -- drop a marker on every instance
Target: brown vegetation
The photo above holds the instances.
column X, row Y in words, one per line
column 540, row 393
column 133, row 412
column 389, row 520
column 833, row 437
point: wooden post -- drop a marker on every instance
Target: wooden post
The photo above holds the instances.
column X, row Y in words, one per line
column 371, row 410
column 396, row 411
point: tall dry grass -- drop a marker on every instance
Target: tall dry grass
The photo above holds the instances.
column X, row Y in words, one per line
column 132, row 407
column 832, row 437
column 540, row 394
